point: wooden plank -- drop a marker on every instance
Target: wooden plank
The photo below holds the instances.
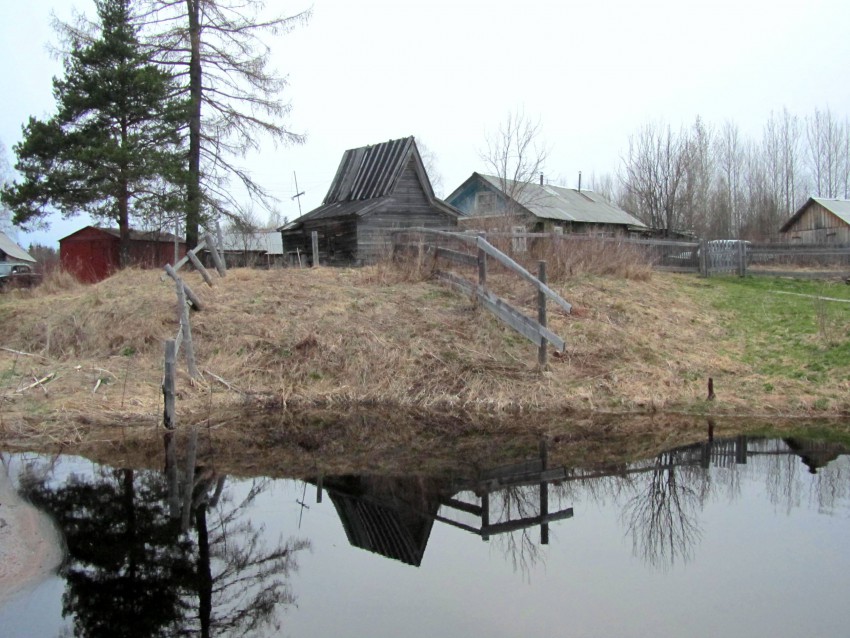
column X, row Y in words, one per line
column 186, row 330
column 200, row 267
column 185, row 259
column 541, row 313
column 469, row 508
column 524, row 523
column 509, row 263
column 216, row 256
column 526, row 326
column 457, row 257
column 193, row 298
column 315, row 245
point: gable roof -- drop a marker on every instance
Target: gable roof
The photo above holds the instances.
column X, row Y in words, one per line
column 838, row 207
column 367, row 176
column 135, row 235
column 13, row 250
column 559, row 203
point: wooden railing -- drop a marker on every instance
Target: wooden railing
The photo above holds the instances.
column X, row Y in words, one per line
column 431, row 242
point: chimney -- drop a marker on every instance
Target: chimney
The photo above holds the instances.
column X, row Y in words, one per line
column 541, row 179
column 579, row 181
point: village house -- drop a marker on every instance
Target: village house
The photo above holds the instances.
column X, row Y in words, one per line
column 819, row 221
column 377, row 189
column 92, row 253
column 10, row 252
column 485, row 201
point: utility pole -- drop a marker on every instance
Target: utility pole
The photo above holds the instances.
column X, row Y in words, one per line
column 298, row 193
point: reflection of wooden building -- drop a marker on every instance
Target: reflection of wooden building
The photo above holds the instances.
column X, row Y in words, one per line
column 393, row 516
column 389, row 516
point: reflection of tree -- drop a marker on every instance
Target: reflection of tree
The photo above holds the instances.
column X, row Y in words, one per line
column 517, row 502
column 661, row 516
column 131, row 571
column 126, row 563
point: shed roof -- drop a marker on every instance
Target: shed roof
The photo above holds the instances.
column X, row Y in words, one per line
column 135, row 235
column 559, row 203
column 838, row 207
column 366, row 177
column 13, row 250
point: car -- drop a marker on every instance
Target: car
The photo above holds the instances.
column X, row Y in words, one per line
column 17, row 275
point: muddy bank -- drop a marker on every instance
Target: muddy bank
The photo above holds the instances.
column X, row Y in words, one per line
column 30, row 548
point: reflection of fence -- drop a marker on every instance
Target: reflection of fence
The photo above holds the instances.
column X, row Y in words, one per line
column 456, row 249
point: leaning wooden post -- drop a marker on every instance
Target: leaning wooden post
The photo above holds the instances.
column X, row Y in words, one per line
column 183, row 317
column 189, row 479
column 200, row 267
column 315, row 237
column 482, row 265
column 168, row 385
column 216, row 255
column 544, row 494
column 541, row 314
column 193, row 298
column 220, row 237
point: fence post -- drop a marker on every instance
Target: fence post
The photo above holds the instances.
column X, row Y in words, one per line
column 742, row 259
column 541, row 314
column 168, row 385
column 518, row 244
column 218, row 261
column 183, row 317
column 200, row 268
column 196, row 303
column 703, row 258
column 315, row 237
column 220, row 237
column 482, row 265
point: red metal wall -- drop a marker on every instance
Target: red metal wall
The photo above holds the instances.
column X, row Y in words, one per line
column 92, row 255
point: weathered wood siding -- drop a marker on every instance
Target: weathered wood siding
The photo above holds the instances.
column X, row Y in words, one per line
column 409, row 207
column 817, row 225
column 337, row 241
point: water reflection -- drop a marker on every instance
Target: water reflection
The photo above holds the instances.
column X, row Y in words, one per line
column 175, row 552
column 164, row 553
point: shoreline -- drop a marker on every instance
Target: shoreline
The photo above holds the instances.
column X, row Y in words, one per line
column 30, row 549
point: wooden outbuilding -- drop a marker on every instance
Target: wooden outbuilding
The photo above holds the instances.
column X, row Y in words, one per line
column 819, row 221
column 377, row 189
column 92, row 253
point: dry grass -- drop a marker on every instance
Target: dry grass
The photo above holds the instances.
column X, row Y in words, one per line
column 340, row 338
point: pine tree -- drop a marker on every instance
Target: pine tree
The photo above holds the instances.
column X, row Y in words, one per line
column 113, row 149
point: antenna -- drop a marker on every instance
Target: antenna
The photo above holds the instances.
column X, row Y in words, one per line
column 298, row 193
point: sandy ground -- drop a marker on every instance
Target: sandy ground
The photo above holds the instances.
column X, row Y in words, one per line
column 29, row 546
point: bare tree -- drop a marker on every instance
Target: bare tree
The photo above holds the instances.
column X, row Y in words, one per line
column 826, row 137
column 429, row 160
column 218, row 49
column 5, row 179
column 656, row 171
column 516, row 156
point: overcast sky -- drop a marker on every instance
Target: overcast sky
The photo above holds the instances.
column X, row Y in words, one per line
column 363, row 72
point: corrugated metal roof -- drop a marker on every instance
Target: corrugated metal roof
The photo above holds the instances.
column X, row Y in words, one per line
column 135, row 235
column 338, row 209
column 567, row 204
column 264, row 241
column 13, row 250
column 838, row 207
column 369, row 171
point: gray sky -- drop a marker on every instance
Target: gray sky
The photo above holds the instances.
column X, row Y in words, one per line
column 448, row 71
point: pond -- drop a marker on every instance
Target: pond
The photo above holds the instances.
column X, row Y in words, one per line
column 740, row 537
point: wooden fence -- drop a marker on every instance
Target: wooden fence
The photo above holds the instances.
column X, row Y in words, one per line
column 186, row 298
column 703, row 257
column 443, row 245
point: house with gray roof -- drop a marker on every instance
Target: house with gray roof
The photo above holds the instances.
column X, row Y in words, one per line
column 377, row 189
column 819, row 221
column 539, row 207
column 11, row 252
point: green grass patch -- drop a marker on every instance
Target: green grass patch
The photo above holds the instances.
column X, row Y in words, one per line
column 783, row 326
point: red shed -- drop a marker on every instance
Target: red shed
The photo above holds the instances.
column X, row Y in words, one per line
column 92, row 253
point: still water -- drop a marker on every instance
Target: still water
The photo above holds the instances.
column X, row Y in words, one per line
column 741, row 537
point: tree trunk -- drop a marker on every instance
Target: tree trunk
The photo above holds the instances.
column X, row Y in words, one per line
column 193, row 188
